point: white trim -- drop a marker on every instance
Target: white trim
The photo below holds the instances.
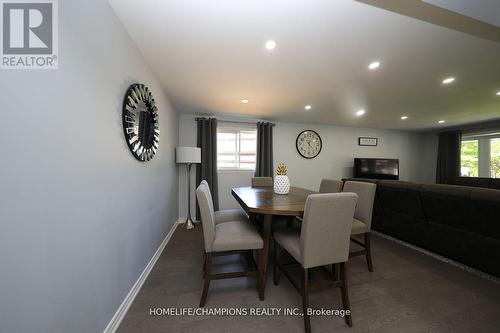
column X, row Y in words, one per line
column 235, row 171
column 127, row 302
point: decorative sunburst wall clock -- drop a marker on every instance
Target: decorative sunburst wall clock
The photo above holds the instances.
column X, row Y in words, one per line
column 140, row 122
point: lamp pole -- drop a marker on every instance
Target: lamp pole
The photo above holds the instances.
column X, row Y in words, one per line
column 188, row 156
column 189, row 222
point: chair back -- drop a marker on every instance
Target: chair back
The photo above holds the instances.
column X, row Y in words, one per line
column 330, row 186
column 205, row 183
column 326, row 228
column 207, row 215
column 262, row 181
column 366, row 196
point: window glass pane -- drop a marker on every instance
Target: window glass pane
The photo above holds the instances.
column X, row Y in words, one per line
column 495, row 158
column 470, row 158
column 248, row 142
column 226, row 142
column 236, row 148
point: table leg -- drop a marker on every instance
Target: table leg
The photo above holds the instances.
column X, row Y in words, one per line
column 266, row 235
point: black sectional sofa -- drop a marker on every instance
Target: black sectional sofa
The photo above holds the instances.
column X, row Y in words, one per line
column 459, row 222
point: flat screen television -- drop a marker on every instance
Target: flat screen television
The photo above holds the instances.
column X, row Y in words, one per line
column 376, row 168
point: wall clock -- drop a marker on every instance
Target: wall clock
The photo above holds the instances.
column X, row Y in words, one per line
column 140, row 122
column 309, row 144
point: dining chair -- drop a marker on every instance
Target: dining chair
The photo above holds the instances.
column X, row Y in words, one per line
column 227, row 238
column 362, row 217
column 262, row 181
column 226, row 215
column 323, row 239
column 330, row 186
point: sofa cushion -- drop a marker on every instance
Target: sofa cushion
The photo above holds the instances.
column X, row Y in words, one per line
column 449, row 205
column 468, row 248
column 487, row 212
column 405, row 227
column 495, row 184
column 401, row 197
column 469, row 181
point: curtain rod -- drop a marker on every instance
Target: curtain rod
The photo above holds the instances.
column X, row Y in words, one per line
column 232, row 121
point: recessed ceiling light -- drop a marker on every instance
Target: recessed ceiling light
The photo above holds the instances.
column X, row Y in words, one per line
column 360, row 112
column 404, row 117
column 374, row 65
column 307, row 107
column 244, row 101
column 448, row 80
column 441, row 121
column 498, row 93
column 270, row 44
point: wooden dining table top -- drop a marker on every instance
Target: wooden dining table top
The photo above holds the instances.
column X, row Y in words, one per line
column 263, row 200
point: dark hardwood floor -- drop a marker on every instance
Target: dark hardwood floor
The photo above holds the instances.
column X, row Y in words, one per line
column 407, row 292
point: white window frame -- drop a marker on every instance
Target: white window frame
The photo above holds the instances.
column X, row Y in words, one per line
column 234, row 127
column 484, row 150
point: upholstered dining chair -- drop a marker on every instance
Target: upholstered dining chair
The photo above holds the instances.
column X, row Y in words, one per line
column 262, row 181
column 362, row 217
column 230, row 237
column 322, row 240
column 225, row 215
column 330, row 186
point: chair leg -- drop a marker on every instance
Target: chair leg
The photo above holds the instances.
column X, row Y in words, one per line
column 260, row 276
column 276, row 273
column 368, row 252
column 305, row 300
column 250, row 260
column 208, row 273
column 335, row 272
column 345, row 294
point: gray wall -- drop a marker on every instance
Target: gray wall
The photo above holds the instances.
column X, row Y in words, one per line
column 80, row 218
column 427, row 159
column 415, row 151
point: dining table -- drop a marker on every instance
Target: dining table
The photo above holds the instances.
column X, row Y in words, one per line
column 263, row 201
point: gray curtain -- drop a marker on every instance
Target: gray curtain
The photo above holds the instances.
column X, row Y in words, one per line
column 448, row 161
column 207, row 170
column 264, row 166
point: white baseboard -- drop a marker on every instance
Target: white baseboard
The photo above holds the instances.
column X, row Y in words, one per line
column 127, row 302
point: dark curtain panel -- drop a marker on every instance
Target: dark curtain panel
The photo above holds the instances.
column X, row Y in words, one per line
column 264, row 166
column 448, row 161
column 207, row 170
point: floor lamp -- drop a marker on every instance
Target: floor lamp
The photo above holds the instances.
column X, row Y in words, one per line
column 188, row 156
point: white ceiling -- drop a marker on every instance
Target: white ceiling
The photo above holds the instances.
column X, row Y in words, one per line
column 210, row 54
column 483, row 10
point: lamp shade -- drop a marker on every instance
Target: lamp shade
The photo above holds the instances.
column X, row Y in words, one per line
column 187, row 155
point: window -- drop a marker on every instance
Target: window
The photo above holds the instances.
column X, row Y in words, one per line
column 469, row 158
column 480, row 155
column 236, row 147
column 495, row 158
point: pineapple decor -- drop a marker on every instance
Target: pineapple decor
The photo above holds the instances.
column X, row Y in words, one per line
column 281, row 181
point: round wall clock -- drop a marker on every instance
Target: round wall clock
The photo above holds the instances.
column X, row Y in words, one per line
column 308, row 144
column 140, row 122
